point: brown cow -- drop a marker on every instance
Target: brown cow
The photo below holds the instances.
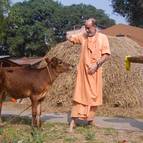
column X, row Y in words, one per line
column 23, row 82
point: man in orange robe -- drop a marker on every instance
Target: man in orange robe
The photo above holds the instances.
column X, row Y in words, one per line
column 88, row 90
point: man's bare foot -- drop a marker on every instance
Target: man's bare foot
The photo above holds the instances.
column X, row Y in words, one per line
column 72, row 126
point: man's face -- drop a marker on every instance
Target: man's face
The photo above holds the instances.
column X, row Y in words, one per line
column 90, row 28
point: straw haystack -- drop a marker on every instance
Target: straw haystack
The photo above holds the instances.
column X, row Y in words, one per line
column 121, row 88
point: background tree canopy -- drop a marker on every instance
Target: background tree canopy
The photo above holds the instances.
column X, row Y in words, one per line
column 34, row 26
column 4, row 6
column 131, row 9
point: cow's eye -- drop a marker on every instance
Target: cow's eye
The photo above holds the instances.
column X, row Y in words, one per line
column 60, row 62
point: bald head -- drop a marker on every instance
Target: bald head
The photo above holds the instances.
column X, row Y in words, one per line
column 90, row 27
column 91, row 21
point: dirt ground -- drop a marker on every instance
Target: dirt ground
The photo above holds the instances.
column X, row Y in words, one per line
column 103, row 110
column 56, row 132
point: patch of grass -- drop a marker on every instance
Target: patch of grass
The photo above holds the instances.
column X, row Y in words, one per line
column 10, row 135
column 82, row 129
column 90, row 136
column 70, row 139
column 1, row 131
column 109, row 131
column 37, row 135
column 88, row 132
column 56, row 133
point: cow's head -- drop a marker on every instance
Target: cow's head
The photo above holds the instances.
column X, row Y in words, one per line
column 58, row 65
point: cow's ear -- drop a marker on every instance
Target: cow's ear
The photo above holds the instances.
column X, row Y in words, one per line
column 54, row 60
column 47, row 60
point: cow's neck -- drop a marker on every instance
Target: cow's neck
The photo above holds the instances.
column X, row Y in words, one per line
column 51, row 73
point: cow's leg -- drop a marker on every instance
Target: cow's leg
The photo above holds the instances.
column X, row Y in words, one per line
column 34, row 113
column 39, row 114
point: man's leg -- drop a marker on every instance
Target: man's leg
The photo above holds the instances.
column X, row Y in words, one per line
column 72, row 124
column 91, row 120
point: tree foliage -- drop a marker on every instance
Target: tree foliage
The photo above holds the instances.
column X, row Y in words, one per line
column 4, row 9
column 131, row 9
column 34, row 26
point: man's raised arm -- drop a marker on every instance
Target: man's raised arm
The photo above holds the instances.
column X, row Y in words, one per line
column 74, row 36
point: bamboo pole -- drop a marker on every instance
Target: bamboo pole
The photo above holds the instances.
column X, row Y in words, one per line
column 133, row 59
column 138, row 59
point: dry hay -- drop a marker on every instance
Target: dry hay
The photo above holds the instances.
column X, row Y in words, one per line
column 120, row 89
